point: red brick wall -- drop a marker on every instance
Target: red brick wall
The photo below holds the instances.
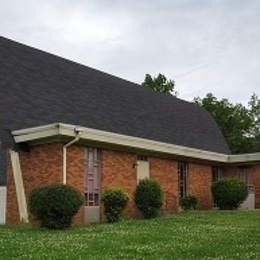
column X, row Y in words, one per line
column 118, row 170
column 165, row 171
column 43, row 165
column 200, row 182
column 76, row 174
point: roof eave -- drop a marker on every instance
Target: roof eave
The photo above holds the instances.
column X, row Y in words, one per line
column 244, row 158
column 60, row 129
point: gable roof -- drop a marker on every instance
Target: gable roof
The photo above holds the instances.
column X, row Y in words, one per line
column 39, row 88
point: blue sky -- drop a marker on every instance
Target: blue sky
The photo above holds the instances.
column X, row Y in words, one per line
column 205, row 46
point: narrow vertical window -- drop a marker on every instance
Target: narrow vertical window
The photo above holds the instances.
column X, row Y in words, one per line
column 92, row 177
column 183, row 179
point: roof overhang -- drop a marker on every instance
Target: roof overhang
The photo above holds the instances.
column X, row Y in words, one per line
column 244, row 158
column 66, row 130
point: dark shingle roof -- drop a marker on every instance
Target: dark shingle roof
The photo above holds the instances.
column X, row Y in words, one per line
column 40, row 88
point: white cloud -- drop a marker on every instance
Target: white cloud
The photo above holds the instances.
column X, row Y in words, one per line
column 205, row 46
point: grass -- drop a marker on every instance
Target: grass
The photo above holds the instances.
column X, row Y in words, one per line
column 187, row 235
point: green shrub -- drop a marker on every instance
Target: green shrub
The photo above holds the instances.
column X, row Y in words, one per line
column 115, row 201
column 148, row 197
column 189, row 202
column 54, row 205
column 229, row 193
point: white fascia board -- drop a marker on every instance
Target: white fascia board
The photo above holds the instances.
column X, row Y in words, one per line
column 35, row 129
column 35, row 133
column 61, row 129
column 240, row 158
column 140, row 143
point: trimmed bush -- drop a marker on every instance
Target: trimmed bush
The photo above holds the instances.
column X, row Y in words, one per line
column 148, row 197
column 229, row 193
column 54, row 205
column 189, row 202
column 115, row 201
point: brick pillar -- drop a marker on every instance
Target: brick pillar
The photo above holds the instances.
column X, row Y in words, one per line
column 165, row 171
column 199, row 184
column 118, row 170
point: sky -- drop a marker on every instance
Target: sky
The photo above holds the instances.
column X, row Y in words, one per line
column 204, row 46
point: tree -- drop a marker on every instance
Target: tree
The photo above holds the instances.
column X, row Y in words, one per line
column 254, row 107
column 254, row 112
column 239, row 124
column 160, row 84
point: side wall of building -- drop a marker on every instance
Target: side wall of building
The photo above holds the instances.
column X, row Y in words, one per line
column 43, row 165
column 75, row 174
column 165, row 171
column 118, row 169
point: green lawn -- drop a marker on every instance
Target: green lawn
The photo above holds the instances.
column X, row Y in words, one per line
column 192, row 235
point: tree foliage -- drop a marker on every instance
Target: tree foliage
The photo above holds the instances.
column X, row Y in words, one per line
column 239, row 124
column 254, row 106
column 160, row 84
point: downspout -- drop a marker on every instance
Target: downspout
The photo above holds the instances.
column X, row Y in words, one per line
column 64, row 177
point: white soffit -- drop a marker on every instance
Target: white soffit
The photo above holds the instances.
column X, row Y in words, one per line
column 248, row 157
column 35, row 133
column 61, row 129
